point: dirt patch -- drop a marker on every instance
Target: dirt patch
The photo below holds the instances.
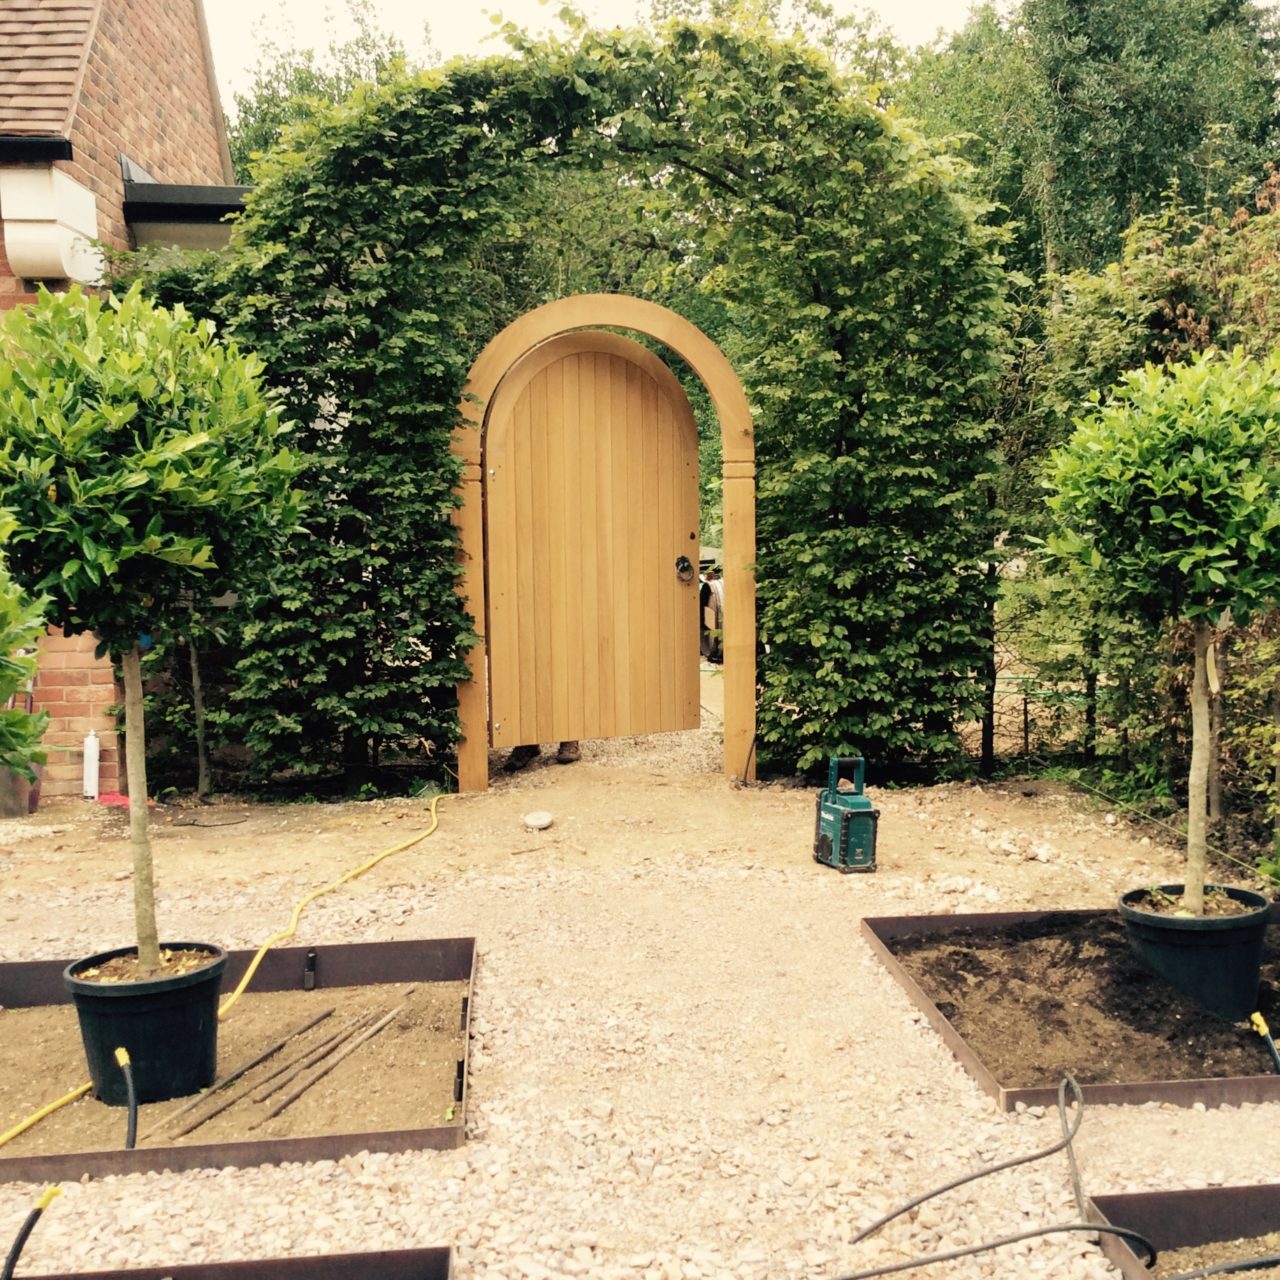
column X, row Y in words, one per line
column 1178, row 1261
column 401, row 1078
column 1065, row 993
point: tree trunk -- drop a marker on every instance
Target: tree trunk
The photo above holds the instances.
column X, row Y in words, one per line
column 135, row 743
column 197, row 707
column 987, row 759
column 1217, row 717
column 1092, row 651
column 1176, row 708
column 1122, row 714
column 1052, row 265
column 1198, row 781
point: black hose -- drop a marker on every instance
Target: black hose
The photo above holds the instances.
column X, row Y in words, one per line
column 928, row 1260
column 1229, row 1268
column 131, row 1093
column 1069, row 1131
column 11, row 1261
column 1067, row 1135
column 19, row 1243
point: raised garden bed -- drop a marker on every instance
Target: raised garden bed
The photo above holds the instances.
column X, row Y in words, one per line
column 404, row 1090
column 401, row 1264
column 1020, row 997
column 1220, row 1224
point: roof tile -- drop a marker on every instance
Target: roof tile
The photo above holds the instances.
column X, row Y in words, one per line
column 43, row 44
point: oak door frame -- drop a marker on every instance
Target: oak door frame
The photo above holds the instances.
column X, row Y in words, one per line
column 507, row 350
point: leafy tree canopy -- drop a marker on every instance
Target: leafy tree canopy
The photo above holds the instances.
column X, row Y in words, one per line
column 139, row 457
column 1081, row 115
column 1170, row 492
column 289, row 83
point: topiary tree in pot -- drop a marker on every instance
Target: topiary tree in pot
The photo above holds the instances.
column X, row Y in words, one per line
column 1169, row 495
column 142, row 460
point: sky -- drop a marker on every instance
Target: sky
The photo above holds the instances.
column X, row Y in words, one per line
column 461, row 26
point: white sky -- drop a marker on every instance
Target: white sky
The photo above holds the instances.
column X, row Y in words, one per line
column 461, row 26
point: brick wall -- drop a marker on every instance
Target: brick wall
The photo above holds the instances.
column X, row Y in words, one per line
column 146, row 93
column 76, row 689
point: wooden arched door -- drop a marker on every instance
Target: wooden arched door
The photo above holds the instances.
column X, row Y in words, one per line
column 590, row 475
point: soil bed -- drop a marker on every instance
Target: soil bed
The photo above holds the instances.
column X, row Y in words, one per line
column 1193, row 1229
column 1065, row 993
column 1179, row 1261
column 401, row 1078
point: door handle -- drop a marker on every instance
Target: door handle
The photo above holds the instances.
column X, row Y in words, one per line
column 684, row 568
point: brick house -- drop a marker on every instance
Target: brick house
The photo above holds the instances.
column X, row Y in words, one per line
column 111, row 129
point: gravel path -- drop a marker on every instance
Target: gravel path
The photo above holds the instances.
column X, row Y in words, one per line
column 686, row 1065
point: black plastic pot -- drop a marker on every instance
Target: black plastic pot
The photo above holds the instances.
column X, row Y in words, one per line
column 168, row 1025
column 1212, row 959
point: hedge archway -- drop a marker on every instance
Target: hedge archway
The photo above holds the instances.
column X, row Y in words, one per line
column 860, row 300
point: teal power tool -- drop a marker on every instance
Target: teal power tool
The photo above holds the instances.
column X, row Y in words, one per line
column 844, row 834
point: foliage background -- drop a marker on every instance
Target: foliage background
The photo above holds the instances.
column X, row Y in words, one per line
column 747, row 182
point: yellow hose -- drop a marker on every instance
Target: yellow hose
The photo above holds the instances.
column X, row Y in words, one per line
column 47, row 1110
column 292, row 927
column 226, row 1005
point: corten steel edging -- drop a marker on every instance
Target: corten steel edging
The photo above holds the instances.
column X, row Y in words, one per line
column 30, row 982
column 881, row 930
column 398, row 1264
column 1181, row 1219
column 39, row 982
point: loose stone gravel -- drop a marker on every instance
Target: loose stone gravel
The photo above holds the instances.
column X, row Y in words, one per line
column 686, row 1064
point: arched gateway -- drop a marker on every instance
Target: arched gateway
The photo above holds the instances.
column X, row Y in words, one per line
column 579, row 499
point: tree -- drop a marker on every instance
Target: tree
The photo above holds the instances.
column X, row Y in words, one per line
column 1169, row 495
column 288, row 84
column 859, row 44
column 982, row 92
column 1083, row 113
column 142, row 463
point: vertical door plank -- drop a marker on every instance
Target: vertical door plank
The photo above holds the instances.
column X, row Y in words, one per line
column 557, row 519
column 588, row 548
column 620, row 567
column 522, row 619
column 537, row 585
column 653, row 571
column 575, row 535
column 666, row 548
column 635, row 556
column 606, row 508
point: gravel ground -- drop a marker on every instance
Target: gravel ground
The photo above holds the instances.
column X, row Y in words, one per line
column 686, row 1064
